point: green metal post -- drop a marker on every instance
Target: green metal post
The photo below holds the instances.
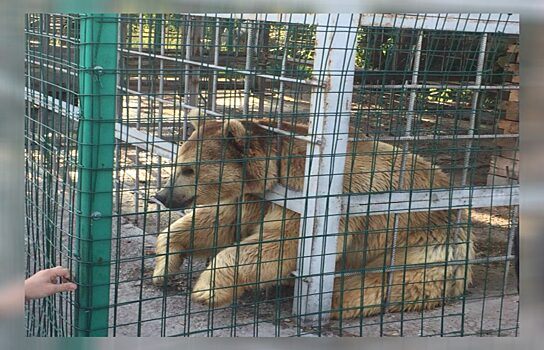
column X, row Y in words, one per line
column 97, row 77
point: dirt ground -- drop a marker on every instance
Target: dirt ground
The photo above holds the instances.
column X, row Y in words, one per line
column 489, row 309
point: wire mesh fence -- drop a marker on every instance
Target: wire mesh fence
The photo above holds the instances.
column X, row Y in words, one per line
column 274, row 175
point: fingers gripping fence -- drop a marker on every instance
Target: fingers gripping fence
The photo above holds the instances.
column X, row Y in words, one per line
column 274, row 175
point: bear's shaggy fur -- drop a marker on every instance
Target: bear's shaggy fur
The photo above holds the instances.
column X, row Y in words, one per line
column 225, row 167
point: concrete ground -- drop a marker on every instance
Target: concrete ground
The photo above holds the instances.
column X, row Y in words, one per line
column 145, row 310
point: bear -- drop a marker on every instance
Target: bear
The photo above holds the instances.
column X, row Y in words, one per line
column 222, row 172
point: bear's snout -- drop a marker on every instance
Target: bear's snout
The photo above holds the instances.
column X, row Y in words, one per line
column 169, row 199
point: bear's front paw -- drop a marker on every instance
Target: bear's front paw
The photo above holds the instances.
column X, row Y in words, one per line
column 159, row 280
column 159, row 276
column 207, row 291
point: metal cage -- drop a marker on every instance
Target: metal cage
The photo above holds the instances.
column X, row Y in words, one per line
column 386, row 148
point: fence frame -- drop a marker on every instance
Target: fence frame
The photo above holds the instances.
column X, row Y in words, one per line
column 98, row 80
column 323, row 175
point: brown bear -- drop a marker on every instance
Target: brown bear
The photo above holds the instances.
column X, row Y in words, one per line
column 225, row 167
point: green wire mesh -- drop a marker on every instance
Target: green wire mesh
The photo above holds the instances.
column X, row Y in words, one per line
column 51, row 143
column 440, row 92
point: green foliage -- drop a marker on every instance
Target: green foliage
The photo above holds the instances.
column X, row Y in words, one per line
column 387, row 46
column 360, row 60
column 297, row 41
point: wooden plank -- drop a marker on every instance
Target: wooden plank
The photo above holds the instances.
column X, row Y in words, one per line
column 511, row 115
column 509, row 153
column 499, row 167
column 509, row 126
column 513, row 96
column 512, row 67
column 507, row 142
column 515, row 79
column 497, row 173
column 514, row 48
column 494, row 180
column 510, row 110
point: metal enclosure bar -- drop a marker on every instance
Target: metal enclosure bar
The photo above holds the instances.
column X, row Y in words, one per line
column 507, row 23
column 407, row 133
column 334, row 66
column 475, row 98
column 249, row 65
column 467, row 86
column 283, row 68
column 118, row 183
column 187, row 51
column 160, row 33
column 98, row 75
column 138, row 114
column 216, row 50
column 514, row 212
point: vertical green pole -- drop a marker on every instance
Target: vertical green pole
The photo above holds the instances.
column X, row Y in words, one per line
column 97, row 81
column 158, row 31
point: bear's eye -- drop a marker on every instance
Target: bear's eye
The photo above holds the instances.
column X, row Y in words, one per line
column 187, row 171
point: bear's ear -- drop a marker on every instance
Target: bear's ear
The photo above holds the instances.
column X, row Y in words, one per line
column 234, row 129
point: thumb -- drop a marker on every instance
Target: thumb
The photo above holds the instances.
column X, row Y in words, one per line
column 64, row 287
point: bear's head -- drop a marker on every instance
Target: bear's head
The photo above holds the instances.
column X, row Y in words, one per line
column 219, row 162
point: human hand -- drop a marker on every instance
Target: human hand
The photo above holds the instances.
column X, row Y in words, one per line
column 44, row 283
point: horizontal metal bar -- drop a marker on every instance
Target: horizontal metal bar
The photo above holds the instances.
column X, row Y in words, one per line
column 426, row 265
column 480, row 23
column 285, row 197
column 434, row 137
column 287, row 133
column 153, row 97
column 407, row 201
column 145, row 141
column 50, row 35
column 74, row 70
column 222, row 68
column 430, row 200
column 51, row 103
column 437, row 86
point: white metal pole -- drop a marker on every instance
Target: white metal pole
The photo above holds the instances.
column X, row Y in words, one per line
column 136, row 189
column 161, row 108
column 249, row 64
column 216, row 50
column 186, row 80
column 334, row 66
